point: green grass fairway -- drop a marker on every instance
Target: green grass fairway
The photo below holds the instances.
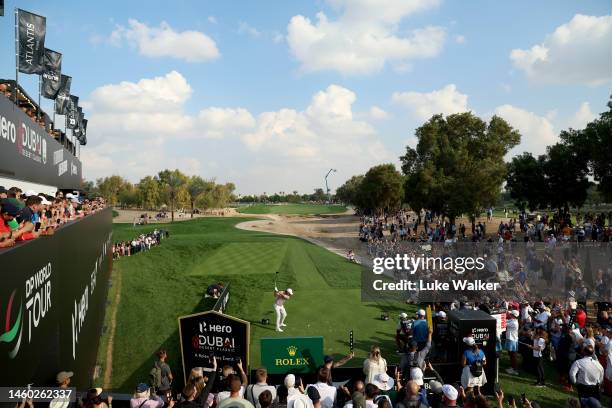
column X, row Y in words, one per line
column 295, row 209
column 170, row 280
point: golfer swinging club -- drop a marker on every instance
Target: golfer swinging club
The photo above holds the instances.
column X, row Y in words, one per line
column 279, row 306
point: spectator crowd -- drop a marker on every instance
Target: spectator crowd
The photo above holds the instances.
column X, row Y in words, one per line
column 27, row 215
column 140, row 243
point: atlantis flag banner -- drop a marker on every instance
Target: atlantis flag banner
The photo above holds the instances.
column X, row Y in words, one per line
column 51, row 77
column 62, row 98
column 32, row 29
column 72, row 112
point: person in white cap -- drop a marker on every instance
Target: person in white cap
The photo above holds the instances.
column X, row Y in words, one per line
column 279, row 306
column 450, row 395
column 474, row 361
column 512, row 334
column 403, row 332
column 420, row 329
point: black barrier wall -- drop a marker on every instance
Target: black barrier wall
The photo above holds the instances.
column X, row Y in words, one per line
column 52, row 302
column 28, row 153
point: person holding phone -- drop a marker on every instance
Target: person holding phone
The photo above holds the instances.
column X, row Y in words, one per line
column 539, row 344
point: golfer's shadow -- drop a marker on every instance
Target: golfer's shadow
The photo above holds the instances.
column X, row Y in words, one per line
column 267, row 322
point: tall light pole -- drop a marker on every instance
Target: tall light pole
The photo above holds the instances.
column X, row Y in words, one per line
column 327, row 186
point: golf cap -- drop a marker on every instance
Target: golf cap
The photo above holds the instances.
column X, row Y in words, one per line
column 3, row 189
column 63, row 376
column 469, row 341
column 450, row 392
column 441, row 314
column 421, row 312
column 29, row 193
column 95, row 391
column 435, row 386
column 404, row 315
column 142, row 387
column 289, row 291
column 10, row 209
column 44, row 201
column 416, row 375
column 290, row 381
column 69, row 195
column 328, row 359
column 514, row 313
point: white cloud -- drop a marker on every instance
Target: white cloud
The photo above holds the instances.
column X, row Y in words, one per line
column 139, row 128
column 377, row 113
column 537, row 131
column 460, row 39
column 221, row 122
column 245, row 28
column 363, row 38
column 212, row 19
column 447, row 100
column 578, row 52
column 583, row 116
column 164, row 41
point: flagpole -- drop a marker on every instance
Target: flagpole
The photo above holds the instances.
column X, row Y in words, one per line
column 39, row 92
column 16, row 56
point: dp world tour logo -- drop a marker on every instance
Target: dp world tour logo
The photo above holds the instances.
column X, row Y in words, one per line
column 14, row 331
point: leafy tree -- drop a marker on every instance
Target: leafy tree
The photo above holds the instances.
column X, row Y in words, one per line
column 196, row 187
column 566, row 177
column 381, row 189
column 89, row 188
column 110, row 187
column 348, row 193
column 458, row 164
column 148, row 193
column 172, row 182
column 128, row 197
column 526, row 182
column 319, row 195
column 592, row 145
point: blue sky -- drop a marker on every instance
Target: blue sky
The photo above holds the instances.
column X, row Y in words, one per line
column 271, row 94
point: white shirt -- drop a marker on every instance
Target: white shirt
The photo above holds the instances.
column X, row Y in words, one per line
column 226, row 394
column 538, row 342
column 512, row 329
column 588, row 370
column 542, row 318
column 327, row 393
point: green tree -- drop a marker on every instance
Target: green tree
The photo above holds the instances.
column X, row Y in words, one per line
column 381, row 189
column 348, row 193
column 592, row 145
column 148, row 193
column 566, row 177
column 110, row 187
column 195, row 187
column 526, row 181
column 319, row 195
column 458, row 164
column 172, row 181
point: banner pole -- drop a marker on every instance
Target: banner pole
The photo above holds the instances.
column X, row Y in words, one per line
column 16, row 56
column 39, row 92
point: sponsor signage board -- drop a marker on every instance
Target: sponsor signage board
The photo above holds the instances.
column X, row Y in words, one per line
column 212, row 333
column 52, row 303
column 292, row 354
column 29, row 153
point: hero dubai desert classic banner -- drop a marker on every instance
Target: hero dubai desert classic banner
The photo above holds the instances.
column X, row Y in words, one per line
column 211, row 333
column 28, row 153
column 446, row 272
